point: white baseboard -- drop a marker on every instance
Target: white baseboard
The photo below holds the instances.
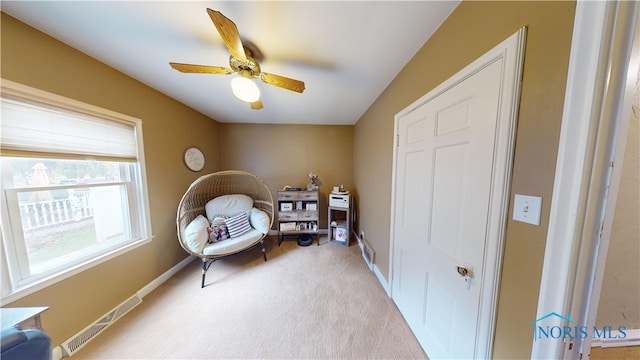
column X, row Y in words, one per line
column 382, row 280
column 164, row 277
column 631, row 338
column 57, row 352
column 372, row 266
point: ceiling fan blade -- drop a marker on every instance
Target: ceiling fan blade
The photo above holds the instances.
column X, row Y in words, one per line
column 201, row 69
column 283, row 82
column 257, row 105
column 229, row 34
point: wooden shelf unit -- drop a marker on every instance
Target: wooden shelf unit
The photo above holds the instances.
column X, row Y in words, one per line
column 297, row 213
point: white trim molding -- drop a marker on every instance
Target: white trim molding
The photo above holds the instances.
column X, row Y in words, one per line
column 627, row 97
column 631, row 337
column 166, row 276
column 382, row 280
column 583, row 173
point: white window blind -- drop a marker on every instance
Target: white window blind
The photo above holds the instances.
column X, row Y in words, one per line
column 34, row 129
column 87, row 211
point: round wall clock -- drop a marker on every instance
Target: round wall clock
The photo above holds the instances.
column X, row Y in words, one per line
column 194, row 159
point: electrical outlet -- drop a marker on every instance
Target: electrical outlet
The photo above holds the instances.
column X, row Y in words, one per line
column 361, row 234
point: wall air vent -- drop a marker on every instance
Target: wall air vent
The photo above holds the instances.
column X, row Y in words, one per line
column 367, row 251
column 77, row 341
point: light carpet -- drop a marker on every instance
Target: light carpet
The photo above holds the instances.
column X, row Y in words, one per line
column 315, row 302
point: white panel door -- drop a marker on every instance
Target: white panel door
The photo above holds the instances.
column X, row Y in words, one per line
column 444, row 167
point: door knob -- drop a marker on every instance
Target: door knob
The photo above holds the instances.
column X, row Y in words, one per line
column 463, row 271
column 466, row 275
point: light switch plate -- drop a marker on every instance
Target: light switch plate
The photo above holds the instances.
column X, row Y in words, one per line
column 527, row 209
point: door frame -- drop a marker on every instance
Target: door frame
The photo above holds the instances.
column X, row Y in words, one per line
column 595, row 100
column 511, row 51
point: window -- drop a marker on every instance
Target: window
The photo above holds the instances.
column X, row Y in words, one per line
column 73, row 187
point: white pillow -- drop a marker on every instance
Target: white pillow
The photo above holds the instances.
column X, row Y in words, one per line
column 195, row 235
column 238, row 225
column 259, row 220
column 218, row 220
column 228, row 205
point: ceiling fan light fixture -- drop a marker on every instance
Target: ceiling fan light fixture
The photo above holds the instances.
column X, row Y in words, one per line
column 245, row 89
column 243, row 60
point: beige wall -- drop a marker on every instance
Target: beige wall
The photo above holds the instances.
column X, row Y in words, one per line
column 620, row 296
column 284, row 154
column 32, row 58
column 280, row 154
column 471, row 30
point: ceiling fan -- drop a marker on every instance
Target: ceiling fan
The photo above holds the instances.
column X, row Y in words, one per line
column 244, row 61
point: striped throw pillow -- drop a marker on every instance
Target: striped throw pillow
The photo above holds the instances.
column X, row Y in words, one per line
column 238, row 225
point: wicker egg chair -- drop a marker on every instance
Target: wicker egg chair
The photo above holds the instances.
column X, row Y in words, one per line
column 210, row 186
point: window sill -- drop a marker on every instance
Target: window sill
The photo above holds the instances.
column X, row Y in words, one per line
column 29, row 289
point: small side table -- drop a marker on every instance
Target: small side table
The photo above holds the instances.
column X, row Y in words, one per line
column 22, row 317
column 340, row 219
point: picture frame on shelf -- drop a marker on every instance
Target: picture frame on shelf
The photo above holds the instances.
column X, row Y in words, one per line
column 288, row 226
column 286, row 206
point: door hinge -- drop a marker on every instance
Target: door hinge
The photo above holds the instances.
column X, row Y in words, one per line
column 397, row 140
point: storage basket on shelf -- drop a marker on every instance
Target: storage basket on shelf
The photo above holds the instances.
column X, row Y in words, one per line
column 235, row 193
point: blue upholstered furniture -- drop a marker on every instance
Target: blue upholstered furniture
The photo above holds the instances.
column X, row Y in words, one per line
column 31, row 344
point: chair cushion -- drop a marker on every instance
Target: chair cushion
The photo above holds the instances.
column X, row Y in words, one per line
column 259, row 220
column 195, row 235
column 233, row 245
column 228, row 205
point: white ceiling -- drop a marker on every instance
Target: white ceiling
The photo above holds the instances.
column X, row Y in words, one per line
column 347, row 53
